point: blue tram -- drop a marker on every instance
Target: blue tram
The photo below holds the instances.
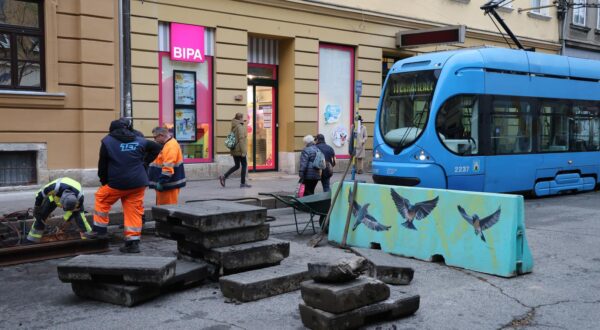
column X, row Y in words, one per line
column 490, row 119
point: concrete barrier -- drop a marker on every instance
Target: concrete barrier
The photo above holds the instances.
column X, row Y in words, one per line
column 483, row 232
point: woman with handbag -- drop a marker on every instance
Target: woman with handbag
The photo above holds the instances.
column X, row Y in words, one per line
column 239, row 151
column 309, row 174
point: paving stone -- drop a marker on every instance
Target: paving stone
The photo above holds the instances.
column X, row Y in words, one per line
column 398, row 306
column 118, row 294
column 342, row 270
column 241, row 257
column 262, row 283
column 343, row 297
column 211, row 216
column 386, row 267
column 187, row 274
column 213, row 239
column 117, row 269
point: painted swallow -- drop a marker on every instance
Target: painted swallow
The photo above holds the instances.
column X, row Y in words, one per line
column 361, row 213
column 480, row 224
column 411, row 212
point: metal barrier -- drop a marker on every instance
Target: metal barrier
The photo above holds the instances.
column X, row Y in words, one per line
column 483, row 232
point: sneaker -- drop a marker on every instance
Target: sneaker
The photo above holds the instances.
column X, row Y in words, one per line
column 130, row 247
column 222, row 180
column 245, row 185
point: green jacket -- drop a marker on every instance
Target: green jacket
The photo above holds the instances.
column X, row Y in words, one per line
column 241, row 138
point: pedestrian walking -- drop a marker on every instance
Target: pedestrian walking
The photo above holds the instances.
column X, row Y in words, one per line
column 239, row 151
column 309, row 175
column 166, row 172
column 361, row 140
column 123, row 177
column 65, row 193
column 329, row 154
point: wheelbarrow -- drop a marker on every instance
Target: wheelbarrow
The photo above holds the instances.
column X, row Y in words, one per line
column 314, row 205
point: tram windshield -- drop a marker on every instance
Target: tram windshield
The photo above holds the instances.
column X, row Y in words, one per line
column 405, row 107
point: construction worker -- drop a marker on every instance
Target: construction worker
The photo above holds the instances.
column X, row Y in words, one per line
column 122, row 175
column 166, row 173
column 65, row 193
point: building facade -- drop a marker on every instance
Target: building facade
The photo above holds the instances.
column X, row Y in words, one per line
column 581, row 30
column 290, row 66
column 59, row 87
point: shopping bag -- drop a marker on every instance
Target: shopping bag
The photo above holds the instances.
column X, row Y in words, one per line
column 300, row 190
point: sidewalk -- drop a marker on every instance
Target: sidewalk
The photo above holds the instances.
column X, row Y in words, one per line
column 204, row 189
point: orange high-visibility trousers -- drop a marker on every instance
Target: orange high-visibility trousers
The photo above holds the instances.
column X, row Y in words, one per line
column 133, row 208
column 167, row 197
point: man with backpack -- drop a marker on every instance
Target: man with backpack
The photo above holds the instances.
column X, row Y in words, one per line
column 329, row 154
column 238, row 144
column 312, row 162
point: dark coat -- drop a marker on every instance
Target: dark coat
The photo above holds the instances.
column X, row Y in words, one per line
column 307, row 156
column 329, row 154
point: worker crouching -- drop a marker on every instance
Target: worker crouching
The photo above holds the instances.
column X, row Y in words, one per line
column 65, row 193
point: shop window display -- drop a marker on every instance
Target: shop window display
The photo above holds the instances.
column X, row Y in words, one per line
column 185, row 103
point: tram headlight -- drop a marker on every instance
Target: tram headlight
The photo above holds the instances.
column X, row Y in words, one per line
column 377, row 154
column 422, row 156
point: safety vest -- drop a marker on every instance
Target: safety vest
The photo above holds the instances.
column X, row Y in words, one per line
column 55, row 189
column 167, row 168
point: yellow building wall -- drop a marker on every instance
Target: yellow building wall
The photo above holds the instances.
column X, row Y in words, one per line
column 301, row 26
column 82, row 89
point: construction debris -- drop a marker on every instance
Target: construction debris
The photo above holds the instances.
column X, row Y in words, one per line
column 352, row 303
column 342, row 271
column 385, row 267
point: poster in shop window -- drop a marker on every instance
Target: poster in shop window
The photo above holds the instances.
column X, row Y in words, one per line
column 185, row 91
column 185, row 125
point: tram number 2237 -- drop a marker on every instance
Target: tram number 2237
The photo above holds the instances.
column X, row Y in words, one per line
column 461, row 169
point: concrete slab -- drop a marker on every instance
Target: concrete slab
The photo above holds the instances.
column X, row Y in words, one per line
column 399, row 305
column 237, row 258
column 211, row 216
column 117, row 294
column 187, row 274
column 344, row 297
column 386, row 267
column 213, row 239
column 263, row 283
column 117, row 269
column 339, row 271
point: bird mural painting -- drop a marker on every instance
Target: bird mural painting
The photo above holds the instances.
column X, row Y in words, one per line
column 480, row 224
column 361, row 213
column 410, row 212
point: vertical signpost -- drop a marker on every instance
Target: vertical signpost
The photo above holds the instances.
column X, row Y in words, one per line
column 357, row 92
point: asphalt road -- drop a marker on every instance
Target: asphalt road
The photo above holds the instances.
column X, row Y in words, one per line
column 562, row 292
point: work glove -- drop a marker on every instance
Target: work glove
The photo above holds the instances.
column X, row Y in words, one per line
column 159, row 187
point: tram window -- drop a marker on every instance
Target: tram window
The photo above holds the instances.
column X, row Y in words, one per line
column 457, row 124
column 585, row 129
column 554, row 126
column 511, row 126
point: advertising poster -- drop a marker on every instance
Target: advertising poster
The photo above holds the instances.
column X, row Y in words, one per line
column 185, row 125
column 185, row 91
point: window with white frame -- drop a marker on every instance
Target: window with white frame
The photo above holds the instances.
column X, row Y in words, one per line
column 579, row 12
column 540, row 3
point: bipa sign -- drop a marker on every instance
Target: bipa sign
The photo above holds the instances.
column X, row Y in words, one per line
column 187, row 42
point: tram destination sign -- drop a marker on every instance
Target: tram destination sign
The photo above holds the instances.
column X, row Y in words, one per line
column 435, row 36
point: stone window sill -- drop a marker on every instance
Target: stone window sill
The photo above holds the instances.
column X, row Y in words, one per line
column 580, row 28
column 539, row 16
column 25, row 99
